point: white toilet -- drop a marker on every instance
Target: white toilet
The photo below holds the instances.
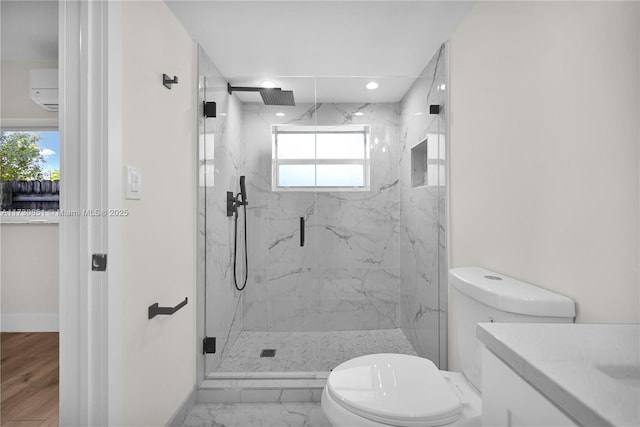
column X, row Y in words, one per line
column 400, row 390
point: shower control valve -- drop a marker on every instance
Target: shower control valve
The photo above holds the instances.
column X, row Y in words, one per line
column 231, row 204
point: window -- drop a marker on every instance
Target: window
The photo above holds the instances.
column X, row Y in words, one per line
column 29, row 170
column 328, row 158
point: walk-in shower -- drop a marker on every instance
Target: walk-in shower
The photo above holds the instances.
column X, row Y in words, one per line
column 360, row 174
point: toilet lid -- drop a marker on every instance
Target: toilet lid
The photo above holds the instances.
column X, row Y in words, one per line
column 395, row 389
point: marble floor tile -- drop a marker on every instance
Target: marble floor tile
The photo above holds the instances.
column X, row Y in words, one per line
column 257, row 415
column 309, row 351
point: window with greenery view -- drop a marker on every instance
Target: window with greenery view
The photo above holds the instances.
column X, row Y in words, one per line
column 29, row 170
column 326, row 158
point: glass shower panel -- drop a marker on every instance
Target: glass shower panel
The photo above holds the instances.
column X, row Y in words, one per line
column 420, row 252
column 345, row 256
column 358, row 231
column 423, row 244
column 220, row 153
column 381, row 249
column 440, row 95
column 281, row 293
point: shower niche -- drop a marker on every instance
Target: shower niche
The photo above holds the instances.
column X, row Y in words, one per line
column 419, row 165
column 428, row 165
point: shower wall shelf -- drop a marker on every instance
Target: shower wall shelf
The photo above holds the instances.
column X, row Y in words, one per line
column 419, row 164
column 155, row 309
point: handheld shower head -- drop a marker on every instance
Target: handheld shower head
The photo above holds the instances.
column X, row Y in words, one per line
column 243, row 190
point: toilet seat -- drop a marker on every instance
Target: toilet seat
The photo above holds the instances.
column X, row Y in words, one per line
column 394, row 389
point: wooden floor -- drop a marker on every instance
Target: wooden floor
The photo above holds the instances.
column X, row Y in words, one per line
column 29, row 379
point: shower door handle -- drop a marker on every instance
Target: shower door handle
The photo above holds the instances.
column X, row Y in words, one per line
column 301, row 231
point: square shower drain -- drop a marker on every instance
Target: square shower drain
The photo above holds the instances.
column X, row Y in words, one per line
column 268, row 352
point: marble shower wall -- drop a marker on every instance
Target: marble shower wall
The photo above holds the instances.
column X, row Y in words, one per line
column 220, row 163
column 347, row 276
column 423, row 250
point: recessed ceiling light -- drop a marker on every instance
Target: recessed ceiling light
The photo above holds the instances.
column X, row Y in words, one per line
column 223, row 114
column 268, row 84
column 372, row 85
column 419, row 113
column 358, row 113
column 443, row 86
column 280, row 114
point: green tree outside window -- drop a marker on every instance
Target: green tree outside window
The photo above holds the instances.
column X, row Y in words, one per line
column 20, row 157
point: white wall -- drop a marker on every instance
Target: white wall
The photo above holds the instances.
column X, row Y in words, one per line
column 544, row 149
column 29, row 277
column 16, row 106
column 158, row 257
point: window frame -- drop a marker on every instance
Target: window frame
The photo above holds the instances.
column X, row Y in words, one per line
column 365, row 130
column 29, row 217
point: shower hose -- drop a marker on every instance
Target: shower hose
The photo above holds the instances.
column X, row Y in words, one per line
column 235, row 248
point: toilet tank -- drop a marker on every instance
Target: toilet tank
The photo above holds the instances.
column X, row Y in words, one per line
column 479, row 295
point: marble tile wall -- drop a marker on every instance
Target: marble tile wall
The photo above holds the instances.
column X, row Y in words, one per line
column 220, row 162
column 423, row 251
column 347, row 276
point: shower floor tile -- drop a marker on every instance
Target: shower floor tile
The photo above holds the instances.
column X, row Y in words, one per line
column 309, row 351
column 257, row 415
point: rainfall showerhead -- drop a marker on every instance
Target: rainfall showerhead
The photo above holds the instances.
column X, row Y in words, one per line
column 277, row 96
column 271, row 96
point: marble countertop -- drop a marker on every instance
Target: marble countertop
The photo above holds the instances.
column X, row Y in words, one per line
column 590, row 371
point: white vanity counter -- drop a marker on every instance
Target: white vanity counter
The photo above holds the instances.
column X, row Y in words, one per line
column 589, row 371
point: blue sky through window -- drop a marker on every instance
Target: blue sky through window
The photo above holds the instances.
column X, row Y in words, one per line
column 50, row 148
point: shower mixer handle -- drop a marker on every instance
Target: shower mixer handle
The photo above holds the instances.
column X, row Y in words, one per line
column 231, row 204
column 240, row 199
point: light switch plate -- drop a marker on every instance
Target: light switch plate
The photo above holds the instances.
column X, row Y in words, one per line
column 133, row 183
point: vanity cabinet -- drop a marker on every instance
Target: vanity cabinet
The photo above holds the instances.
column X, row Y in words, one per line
column 508, row 400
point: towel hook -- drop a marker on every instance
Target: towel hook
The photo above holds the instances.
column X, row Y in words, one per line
column 168, row 81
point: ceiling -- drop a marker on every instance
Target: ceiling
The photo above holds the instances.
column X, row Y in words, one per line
column 387, row 41
column 325, row 51
column 29, row 30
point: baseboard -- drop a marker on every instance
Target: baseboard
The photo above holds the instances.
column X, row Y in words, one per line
column 29, row 323
column 181, row 413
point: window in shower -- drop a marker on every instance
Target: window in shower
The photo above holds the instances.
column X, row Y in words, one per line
column 325, row 158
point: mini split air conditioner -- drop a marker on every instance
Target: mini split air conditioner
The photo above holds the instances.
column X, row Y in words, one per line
column 43, row 84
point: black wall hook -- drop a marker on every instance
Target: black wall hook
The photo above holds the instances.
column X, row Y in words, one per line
column 167, row 81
